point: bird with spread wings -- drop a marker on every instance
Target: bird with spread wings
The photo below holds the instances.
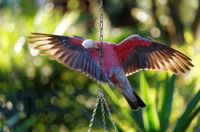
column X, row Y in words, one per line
column 119, row 61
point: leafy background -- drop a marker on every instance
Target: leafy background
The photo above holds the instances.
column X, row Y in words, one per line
column 38, row 94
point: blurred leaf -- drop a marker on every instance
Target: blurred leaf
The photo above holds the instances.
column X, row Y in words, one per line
column 65, row 93
column 26, row 124
column 189, row 114
column 13, row 120
column 150, row 116
column 133, row 120
column 66, row 22
column 112, row 95
column 166, row 98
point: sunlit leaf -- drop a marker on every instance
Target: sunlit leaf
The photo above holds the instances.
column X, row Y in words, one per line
column 166, row 98
column 191, row 111
column 150, row 115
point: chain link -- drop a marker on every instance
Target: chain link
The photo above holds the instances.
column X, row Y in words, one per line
column 103, row 110
column 100, row 97
column 101, row 21
column 101, row 66
column 109, row 114
column 101, row 41
column 94, row 113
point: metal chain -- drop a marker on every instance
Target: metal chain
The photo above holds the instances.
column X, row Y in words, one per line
column 101, row 41
column 94, row 113
column 103, row 110
column 109, row 113
column 101, row 66
column 100, row 96
column 103, row 100
column 101, row 21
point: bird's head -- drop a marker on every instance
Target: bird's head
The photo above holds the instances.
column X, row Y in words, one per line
column 89, row 44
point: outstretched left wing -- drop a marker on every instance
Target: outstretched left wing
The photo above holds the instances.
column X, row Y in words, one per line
column 68, row 51
column 138, row 53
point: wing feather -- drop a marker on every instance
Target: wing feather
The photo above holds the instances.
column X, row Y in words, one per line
column 68, row 51
column 137, row 53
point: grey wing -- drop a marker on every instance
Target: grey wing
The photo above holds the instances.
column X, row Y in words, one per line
column 68, row 51
column 157, row 57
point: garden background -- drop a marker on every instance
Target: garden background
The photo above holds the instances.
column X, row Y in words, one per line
column 38, row 94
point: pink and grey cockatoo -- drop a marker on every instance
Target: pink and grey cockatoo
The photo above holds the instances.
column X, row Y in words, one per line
column 119, row 61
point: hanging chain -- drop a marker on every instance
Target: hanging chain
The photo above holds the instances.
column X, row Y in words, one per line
column 94, row 113
column 100, row 97
column 109, row 114
column 101, row 21
column 100, row 94
column 101, row 41
column 103, row 110
column 103, row 100
column 101, row 66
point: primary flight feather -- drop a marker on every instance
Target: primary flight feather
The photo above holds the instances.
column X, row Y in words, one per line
column 129, row 56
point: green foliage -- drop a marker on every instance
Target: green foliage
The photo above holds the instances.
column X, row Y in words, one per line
column 166, row 104
column 38, row 94
column 191, row 111
column 150, row 116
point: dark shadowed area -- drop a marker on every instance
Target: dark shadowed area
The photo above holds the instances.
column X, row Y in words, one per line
column 40, row 95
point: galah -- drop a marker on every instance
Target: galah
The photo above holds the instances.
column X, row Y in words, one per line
column 119, row 60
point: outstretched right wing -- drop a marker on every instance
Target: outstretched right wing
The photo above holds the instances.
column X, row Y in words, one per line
column 68, row 51
column 138, row 53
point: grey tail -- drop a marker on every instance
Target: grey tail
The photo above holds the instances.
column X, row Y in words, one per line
column 137, row 104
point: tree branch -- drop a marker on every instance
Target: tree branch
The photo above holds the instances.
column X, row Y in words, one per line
column 178, row 25
column 157, row 22
column 196, row 22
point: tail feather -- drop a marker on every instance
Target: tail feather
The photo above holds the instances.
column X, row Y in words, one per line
column 137, row 104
